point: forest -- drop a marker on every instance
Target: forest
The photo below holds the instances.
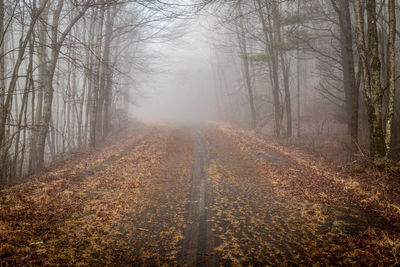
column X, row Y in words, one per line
column 209, row 127
column 343, row 51
column 60, row 64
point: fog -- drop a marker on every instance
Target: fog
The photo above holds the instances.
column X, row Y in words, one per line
column 183, row 88
column 72, row 74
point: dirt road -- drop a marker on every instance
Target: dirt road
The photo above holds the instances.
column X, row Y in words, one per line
column 190, row 196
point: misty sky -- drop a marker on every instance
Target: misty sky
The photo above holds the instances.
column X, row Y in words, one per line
column 185, row 91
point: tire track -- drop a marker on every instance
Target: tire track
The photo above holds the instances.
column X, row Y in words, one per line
column 197, row 249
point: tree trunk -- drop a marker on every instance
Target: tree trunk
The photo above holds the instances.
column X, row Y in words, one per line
column 49, row 90
column 349, row 81
column 285, row 72
column 89, row 75
column 108, row 71
column 288, row 104
column 2, row 88
column 371, row 74
column 24, row 106
column 6, row 114
column 391, row 75
column 42, row 52
column 96, row 88
column 2, row 59
column 298, row 93
column 246, row 67
column 275, row 73
column 298, row 78
column 269, row 49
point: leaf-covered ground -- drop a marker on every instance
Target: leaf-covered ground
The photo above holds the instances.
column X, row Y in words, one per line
column 211, row 195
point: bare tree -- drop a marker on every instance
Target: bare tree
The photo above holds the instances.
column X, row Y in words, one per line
column 371, row 66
